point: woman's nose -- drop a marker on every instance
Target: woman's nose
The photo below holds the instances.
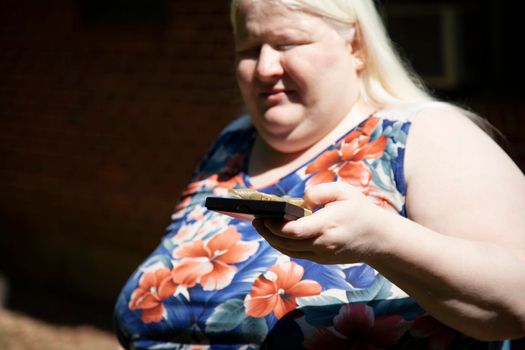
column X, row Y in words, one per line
column 269, row 64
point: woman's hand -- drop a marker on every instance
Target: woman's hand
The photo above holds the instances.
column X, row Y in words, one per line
column 342, row 231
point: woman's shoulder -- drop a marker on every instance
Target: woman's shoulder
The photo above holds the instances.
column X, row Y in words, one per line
column 445, row 121
column 445, row 134
column 438, row 121
column 232, row 143
column 436, row 125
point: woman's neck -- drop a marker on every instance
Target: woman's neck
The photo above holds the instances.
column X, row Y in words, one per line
column 268, row 165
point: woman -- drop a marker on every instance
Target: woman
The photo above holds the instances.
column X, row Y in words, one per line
column 417, row 237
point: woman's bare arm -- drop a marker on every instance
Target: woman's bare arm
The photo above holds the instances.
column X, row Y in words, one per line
column 461, row 253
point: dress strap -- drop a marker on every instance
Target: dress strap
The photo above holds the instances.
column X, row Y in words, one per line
column 409, row 111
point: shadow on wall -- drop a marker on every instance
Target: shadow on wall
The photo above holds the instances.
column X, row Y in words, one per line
column 103, row 120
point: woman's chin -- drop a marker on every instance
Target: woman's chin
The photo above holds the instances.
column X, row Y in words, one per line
column 280, row 119
column 284, row 139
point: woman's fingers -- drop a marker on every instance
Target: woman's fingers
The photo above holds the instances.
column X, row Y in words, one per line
column 315, row 225
column 299, row 249
column 308, row 227
column 324, row 193
column 269, row 230
column 337, row 231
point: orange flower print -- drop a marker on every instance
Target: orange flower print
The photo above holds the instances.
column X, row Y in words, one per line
column 347, row 161
column 226, row 183
column 219, row 183
column 197, row 230
column 277, row 290
column 184, row 234
column 154, row 288
column 199, row 347
column 179, row 209
column 210, row 263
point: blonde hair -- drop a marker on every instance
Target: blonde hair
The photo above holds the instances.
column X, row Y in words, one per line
column 386, row 79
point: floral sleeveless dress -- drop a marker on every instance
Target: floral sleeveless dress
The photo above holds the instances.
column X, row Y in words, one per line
column 214, row 283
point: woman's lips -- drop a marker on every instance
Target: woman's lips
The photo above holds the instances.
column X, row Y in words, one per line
column 275, row 95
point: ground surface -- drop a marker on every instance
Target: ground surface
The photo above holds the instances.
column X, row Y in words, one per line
column 21, row 332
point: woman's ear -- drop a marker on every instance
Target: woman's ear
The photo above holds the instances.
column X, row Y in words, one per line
column 357, row 47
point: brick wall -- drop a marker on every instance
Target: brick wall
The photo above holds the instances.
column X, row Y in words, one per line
column 100, row 127
column 508, row 116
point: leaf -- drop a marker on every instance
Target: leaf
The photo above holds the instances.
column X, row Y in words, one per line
column 254, row 329
column 321, row 315
column 399, row 134
column 361, row 276
column 318, row 301
column 391, row 151
column 370, row 293
column 226, row 316
column 405, row 307
column 382, row 175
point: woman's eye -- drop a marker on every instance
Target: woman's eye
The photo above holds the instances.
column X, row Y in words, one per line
column 286, row 47
column 289, row 45
column 256, row 50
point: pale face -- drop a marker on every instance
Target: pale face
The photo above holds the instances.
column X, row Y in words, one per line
column 296, row 74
